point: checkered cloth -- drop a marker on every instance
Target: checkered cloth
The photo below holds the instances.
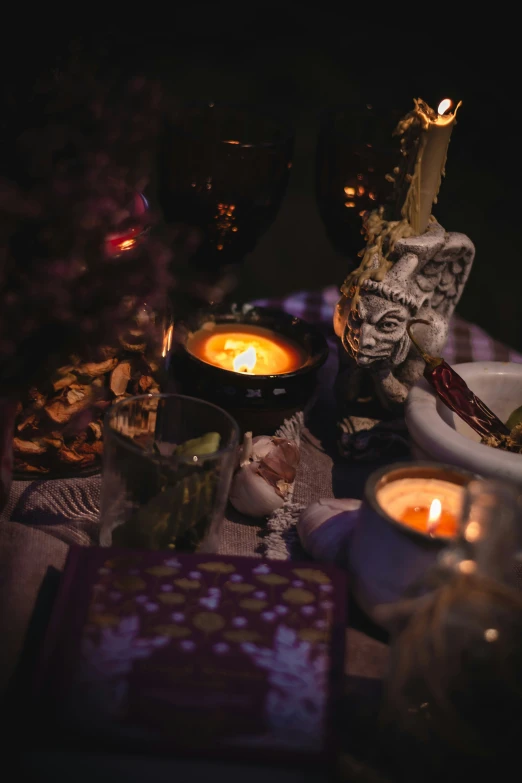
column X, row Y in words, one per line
column 466, row 342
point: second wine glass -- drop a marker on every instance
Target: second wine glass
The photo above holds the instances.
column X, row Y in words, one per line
column 355, row 151
column 223, row 172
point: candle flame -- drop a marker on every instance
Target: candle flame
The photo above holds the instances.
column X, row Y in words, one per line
column 444, row 106
column 167, row 341
column 434, row 515
column 245, row 361
column 127, row 244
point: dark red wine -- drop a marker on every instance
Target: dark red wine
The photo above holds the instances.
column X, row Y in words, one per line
column 355, row 151
column 223, row 172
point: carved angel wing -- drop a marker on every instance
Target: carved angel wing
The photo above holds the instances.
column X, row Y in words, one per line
column 444, row 264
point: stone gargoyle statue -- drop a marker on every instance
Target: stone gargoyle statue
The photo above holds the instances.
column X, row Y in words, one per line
column 423, row 278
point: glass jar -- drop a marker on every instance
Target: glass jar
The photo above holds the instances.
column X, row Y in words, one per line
column 455, row 681
column 58, row 426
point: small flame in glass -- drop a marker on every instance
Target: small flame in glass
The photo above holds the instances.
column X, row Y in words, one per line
column 167, row 341
column 245, row 361
column 444, row 106
column 434, row 515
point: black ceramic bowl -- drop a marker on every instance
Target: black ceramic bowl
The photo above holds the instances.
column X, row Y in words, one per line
column 258, row 402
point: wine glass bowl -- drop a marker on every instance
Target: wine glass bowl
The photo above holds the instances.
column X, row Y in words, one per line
column 223, row 171
column 355, row 151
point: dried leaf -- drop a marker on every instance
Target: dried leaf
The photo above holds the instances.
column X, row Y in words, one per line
column 26, row 467
column 95, row 448
column 64, row 382
column 75, row 394
column 145, row 382
column 96, row 429
column 122, row 397
column 66, row 369
column 72, row 457
column 37, row 398
column 93, row 369
column 107, row 351
column 120, row 377
column 59, row 412
column 55, row 443
column 28, row 446
column 27, row 421
column 131, row 345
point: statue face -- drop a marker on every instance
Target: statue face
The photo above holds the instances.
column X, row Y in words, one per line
column 376, row 331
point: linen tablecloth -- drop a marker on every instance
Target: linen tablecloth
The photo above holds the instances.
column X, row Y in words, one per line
column 42, row 517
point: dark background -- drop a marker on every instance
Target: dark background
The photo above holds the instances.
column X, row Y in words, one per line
column 304, row 59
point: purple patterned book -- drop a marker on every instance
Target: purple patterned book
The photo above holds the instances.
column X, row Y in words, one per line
column 203, row 655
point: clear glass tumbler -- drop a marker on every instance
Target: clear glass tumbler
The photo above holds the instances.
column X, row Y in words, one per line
column 167, row 467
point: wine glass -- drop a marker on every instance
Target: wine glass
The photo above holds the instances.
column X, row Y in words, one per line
column 223, row 171
column 355, row 150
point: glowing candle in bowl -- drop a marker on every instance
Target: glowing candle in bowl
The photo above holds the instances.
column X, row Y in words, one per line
column 246, row 349
column 258, row 363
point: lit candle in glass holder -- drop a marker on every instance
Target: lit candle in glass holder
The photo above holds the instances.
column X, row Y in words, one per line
column 427, row 505
column 410, row 514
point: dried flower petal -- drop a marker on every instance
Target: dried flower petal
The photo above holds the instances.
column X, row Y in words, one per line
column 96, row 429
column 61, row 413
column 93, row 369
column 28, row 446
column 70, row 456
column 27, row 467
column 27, row 421
column 120, row 378
column 64, row 382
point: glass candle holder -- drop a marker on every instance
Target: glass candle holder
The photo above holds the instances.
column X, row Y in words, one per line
column 402, row 531
column 452, row 697
column 167, row 468
column 58, row 428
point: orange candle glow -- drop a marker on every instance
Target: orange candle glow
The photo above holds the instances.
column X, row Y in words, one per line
column 429, row 506
column 434, row 520
column 246, row 349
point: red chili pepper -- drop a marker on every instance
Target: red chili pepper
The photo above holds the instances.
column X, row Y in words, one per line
column 456, row 394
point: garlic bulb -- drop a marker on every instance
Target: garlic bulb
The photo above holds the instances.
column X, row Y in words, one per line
column 325, row 526
column 266, row 472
